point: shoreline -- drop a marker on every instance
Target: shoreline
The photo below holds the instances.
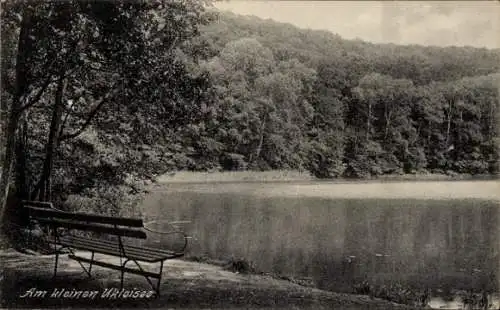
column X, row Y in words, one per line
column 420, row 189
column 287, row 176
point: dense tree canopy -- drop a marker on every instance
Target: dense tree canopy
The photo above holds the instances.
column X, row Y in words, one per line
column 360, row 109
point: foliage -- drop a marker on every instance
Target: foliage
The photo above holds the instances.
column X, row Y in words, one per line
column 360, row 112
column 106, row 97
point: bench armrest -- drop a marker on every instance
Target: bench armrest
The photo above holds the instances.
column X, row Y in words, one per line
column 185, row 237
column 172, row 224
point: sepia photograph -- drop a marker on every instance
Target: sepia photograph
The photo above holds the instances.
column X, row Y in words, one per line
column 243, row 154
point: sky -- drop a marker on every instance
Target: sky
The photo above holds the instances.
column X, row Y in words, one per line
column 459, row 23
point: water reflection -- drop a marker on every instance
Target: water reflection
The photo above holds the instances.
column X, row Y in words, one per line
column 434, row 244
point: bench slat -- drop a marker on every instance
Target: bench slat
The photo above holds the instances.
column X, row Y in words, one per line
column 98, row 246
column 38, row 204
column 112, row 249
column 103, row 249
column 84, row 217
column 129, row 249
column 115, row 267
column 134, row 233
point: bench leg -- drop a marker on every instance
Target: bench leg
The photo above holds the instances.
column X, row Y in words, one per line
column 154, row 287
column 91, row 261
column 54, row 230
column 159, row 280
column 123, row 272
column 55, row 265
column 81, row 265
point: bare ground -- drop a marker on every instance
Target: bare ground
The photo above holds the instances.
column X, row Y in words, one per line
column 184, row 285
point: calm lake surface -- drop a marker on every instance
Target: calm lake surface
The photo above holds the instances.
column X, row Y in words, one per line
column 438, row 235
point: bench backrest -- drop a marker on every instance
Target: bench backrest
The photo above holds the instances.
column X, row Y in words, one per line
column 119, row 226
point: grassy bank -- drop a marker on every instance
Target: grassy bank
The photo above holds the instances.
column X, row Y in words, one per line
column 392, row 291
column 235, row 176
column 184, row 285
column 295, row 176
column 340, row 189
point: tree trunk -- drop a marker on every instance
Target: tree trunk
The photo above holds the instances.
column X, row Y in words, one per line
column 448, row 123
column 387, row 116
column 491, row 119
column 7, row 165
column 368, row 122
column 15, row 113
column 261, row 140
column 429, row 131
column 42, row 189
column 387, row 124
column 21, row 182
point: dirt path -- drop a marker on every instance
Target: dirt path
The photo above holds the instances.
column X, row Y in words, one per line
column 184, row 285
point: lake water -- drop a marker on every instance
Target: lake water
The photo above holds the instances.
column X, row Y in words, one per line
column 438, row 235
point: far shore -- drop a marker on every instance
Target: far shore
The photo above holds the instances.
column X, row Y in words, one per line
column 303, row 176
column 297, row 185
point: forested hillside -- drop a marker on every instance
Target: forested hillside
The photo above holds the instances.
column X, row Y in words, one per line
column 304, row 99
column 93, row 102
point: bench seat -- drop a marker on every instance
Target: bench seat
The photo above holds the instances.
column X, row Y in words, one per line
column 145, row 254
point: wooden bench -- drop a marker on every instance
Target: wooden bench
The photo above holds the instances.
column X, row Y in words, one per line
column 55, row 220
